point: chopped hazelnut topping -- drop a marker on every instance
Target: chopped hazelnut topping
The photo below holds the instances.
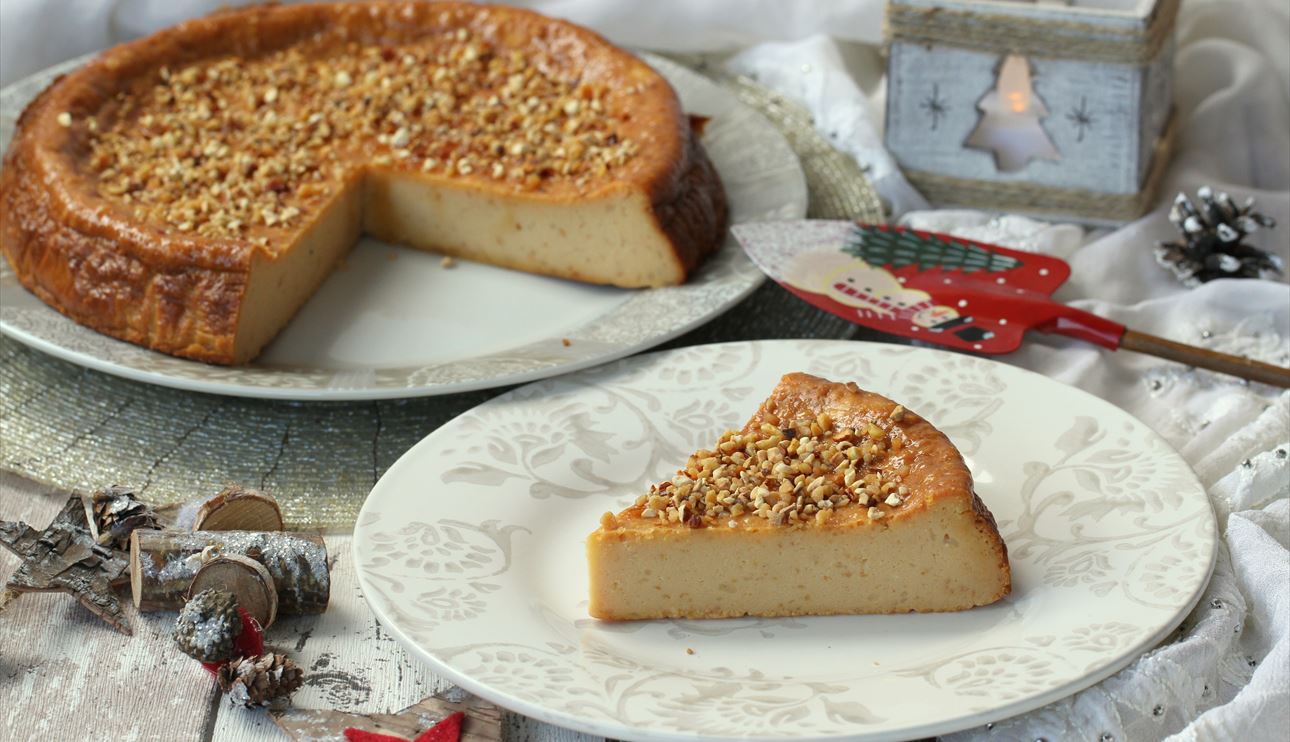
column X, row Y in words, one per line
column 240, row 149
column 448, row 262
column 608, row 521
column 64, row 119
column 790, row 475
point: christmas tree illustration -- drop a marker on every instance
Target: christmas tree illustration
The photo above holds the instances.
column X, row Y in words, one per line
column 897, row 250
column 1010, row 116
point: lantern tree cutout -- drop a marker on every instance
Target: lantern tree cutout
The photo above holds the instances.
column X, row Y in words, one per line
column 1010, row 116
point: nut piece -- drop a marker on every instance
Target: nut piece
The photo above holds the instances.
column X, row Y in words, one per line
column 211, row 150
column 790, row 473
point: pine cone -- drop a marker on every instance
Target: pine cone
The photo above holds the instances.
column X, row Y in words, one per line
column 208, row 625
column 1212, row 235
column 258, row 681
column 117, row 512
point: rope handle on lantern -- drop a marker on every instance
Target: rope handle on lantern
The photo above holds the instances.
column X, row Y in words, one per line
column 1031, row 35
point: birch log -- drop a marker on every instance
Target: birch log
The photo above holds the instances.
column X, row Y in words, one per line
column 238, row 509
column 163, row 564
column 248, row 581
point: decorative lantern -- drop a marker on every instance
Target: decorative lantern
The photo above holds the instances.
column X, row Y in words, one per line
column 1056, row 109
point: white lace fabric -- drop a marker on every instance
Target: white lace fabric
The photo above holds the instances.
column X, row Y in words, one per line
column 1225, row 674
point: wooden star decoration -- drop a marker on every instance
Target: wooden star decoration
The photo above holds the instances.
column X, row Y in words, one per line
column 65, row 558
column 448, row 730
column 482, row 721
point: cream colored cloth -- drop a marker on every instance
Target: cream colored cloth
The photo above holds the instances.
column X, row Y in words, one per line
column 1226, row 674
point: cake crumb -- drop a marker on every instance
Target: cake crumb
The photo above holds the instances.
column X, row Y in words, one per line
column 448, row 262
column 689, row 650
column 566, row 342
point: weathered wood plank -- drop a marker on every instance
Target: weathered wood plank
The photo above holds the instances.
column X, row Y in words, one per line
column 351, row 664
column 144, row 688
column 64, row 672
column 482, row 721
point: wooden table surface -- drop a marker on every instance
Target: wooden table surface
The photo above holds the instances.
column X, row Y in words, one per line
column 67, row 675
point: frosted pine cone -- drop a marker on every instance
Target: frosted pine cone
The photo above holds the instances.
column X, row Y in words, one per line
column 1213, row 240
column 208, row 625
column 258, row 681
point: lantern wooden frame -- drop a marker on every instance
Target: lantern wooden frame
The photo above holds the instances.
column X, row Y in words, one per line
column 1105, row 76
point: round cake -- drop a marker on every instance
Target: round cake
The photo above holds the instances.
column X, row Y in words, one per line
column 190, row 191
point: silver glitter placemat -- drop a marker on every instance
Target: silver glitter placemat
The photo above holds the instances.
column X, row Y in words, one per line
column 77, row 430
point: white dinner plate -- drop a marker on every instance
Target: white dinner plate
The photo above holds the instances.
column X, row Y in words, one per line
column 470, row 550
column 395, row 323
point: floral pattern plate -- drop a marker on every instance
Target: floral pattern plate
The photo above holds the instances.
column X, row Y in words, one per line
column 470, row 551
column 394, row 323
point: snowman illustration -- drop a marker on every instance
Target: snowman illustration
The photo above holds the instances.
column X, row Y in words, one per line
column 875, row 293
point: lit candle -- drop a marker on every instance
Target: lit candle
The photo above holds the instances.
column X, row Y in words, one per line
column 1009, row 125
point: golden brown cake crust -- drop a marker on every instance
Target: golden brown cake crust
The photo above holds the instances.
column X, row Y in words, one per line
column 90, row 257
column 96, row 268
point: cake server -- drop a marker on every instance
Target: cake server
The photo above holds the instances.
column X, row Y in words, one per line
column 950, row 291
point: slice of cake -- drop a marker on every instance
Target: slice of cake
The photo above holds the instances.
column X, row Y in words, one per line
column 831, row 500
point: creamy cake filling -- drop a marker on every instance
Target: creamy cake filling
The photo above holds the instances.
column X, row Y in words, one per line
column 937, row 562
